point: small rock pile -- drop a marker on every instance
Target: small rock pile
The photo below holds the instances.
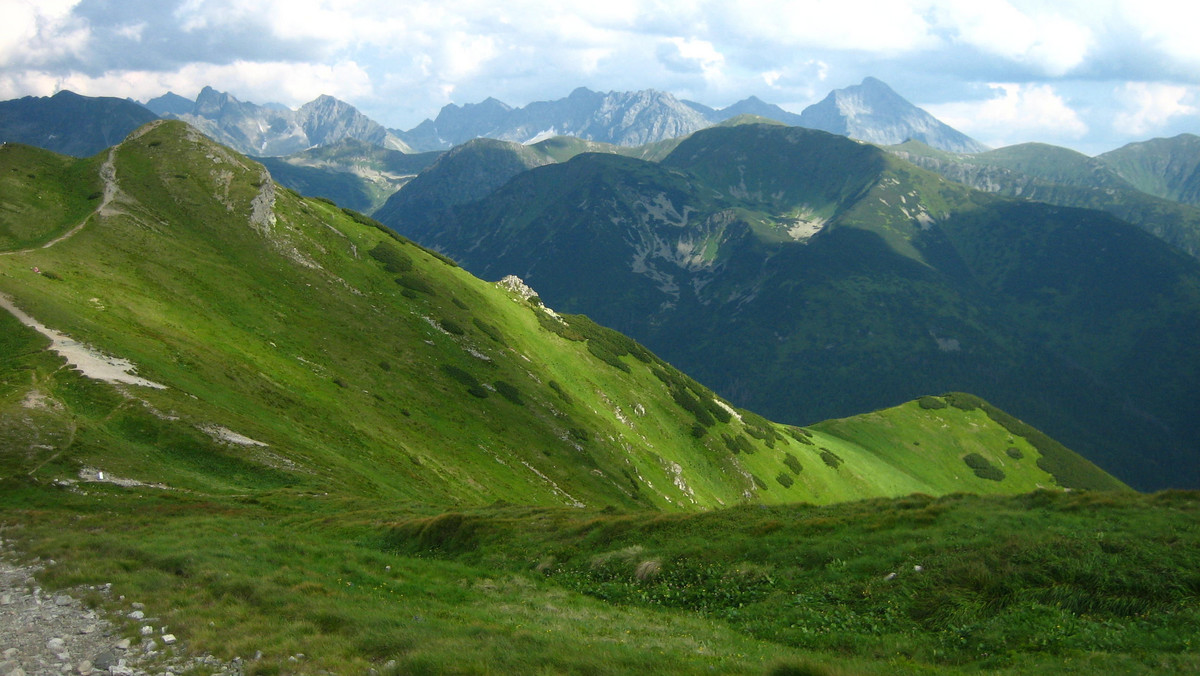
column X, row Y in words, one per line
column 43, row 634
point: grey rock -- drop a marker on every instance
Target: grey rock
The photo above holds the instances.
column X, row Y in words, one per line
column 104, row 660
column 136, row 615
column 56, row 645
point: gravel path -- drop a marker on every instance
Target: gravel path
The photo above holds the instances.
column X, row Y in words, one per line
column 44, row 634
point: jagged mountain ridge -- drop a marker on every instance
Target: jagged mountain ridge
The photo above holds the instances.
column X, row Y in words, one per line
column 873, row 112
column 806, row 275
column 270, row 130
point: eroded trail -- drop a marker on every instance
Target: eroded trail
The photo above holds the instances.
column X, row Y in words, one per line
column 108, row 173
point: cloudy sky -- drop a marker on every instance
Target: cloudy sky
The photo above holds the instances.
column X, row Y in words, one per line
column 1086, row 74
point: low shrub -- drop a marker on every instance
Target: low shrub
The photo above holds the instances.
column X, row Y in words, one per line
column 558, row 389
column 785, row 480
column 931, row 403
column 394, row 260
column 449, row 326
column 489, row 330
column 1014, row 453
column 793, row 463
column 983, row 468
column 602, row 353
column 414, row 283
column 964, row 401
column 830, row 458
column 509, row 392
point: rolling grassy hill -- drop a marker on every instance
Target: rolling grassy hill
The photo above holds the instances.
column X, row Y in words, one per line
column 327, row 440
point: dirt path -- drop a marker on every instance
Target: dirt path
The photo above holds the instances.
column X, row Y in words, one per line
column 44, row 634
column 108, row 173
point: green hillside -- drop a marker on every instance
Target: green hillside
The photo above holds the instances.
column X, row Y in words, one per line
column 333, row 451
column 1163, row 167
column 1046, row 173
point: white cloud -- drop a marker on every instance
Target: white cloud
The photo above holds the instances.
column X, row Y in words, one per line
column 40, row 32
column 1043, row 37
column 289, row 83
column 1168, row 26
column 692, row 55
column 865, row 25
column 1149, row 106
column 1016, row 113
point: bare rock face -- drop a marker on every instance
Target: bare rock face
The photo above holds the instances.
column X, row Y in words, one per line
column 516, row 285
column 872, row 112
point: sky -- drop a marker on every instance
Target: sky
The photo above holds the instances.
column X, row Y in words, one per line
column 1086, row 74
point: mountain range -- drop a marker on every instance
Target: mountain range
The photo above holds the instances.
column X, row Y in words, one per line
column 870, row 111
column 808, row 276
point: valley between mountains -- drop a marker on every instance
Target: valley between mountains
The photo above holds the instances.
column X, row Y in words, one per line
column 337, row 443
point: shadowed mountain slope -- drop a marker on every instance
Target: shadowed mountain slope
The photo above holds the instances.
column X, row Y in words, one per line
column 808, row 276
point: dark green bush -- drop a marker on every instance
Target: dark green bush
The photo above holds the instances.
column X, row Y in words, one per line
column 762, row 485
column 555, row 326
column 413, row 282
column 451, row 327
column 692, row 405
column 602, row 353
column 561, row 392
column 718, row 411
column 785, row 480
column 362, row 219
column 763, row 434
column 738, row 444
column 394, row 260
column 509, row 392
column 1014, row 453
column 793, row 463
column 698, row 430
column 465, row 378
column 799, row 434
column 931, row 403
column 964, row 401
column 830, row 458
column 459, row 303
column 489, row 330
column 983, row 468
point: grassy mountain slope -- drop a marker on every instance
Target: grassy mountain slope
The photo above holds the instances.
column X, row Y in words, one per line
column 811, row 277
column 69, row 123
column 1165, row 167
column 1064, row 177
